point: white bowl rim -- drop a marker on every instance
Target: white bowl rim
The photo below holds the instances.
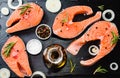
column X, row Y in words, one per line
column 40, row 73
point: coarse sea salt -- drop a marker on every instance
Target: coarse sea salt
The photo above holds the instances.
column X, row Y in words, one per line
column 34, row 46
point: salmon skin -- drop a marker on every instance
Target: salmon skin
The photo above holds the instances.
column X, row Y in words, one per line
column 18, row 58
column 31, row 18
column 64, row 26
column 102, row 31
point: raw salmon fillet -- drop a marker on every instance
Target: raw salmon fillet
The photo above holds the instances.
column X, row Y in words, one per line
column 64, row 26
column 18, row 58
column 31, row 18
column 102, row 31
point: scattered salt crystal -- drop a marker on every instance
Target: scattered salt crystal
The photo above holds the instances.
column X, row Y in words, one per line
column 67, row 28
column 70, row 22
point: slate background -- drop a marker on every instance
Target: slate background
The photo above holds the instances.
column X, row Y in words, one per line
column 36, row 62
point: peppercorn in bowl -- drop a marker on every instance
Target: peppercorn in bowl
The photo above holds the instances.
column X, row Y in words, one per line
column 43, row 31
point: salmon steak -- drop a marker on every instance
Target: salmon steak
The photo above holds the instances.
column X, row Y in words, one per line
column 64, row 26
column 14, row 54
column 26, row 16
column 101, row 30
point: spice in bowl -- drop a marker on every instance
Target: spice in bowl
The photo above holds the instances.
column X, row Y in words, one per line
column 43, row 31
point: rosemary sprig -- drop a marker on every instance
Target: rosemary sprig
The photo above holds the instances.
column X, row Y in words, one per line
column 24, row 8
column 101, row 7
column 100, row 70
column 115, row 38
column 72, row 66
column 65, row 19
column 8, row 48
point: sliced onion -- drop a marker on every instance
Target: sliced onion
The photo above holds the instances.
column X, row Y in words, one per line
column 108, row 11
column 93, row 50
column 34, row 46
column 38, row 73
column 53, row 5
column 4, row 73
column 12, row 6
column 114, row 66
column 4, row 10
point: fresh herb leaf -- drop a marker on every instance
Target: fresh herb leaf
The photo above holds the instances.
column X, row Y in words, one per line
column 65, row 19
column 101, row 7
column 72, row 66
column 115, row 38
column 24, row 8
column 100, row 70
column 8, row 48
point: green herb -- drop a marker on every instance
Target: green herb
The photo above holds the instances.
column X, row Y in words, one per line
column 101, row 7
column 72, row 66
column 100, row 70
column 65, row 19
column 115, row 38
column 8, row 48
column 24, row 8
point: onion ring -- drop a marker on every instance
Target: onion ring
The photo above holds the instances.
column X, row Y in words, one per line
column 5, row 11
column 53, row 6
column 114, row 66
column 4, row 73
column 12, row 6
column 108, row 11
column 94, row 51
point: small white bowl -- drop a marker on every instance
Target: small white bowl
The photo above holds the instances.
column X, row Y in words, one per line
column 41, row 37
column 38, row 73
column 34, row 46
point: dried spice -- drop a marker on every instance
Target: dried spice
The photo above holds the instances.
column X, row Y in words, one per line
column 43, row 31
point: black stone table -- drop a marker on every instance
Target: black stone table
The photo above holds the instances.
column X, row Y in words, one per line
column 36, row 62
